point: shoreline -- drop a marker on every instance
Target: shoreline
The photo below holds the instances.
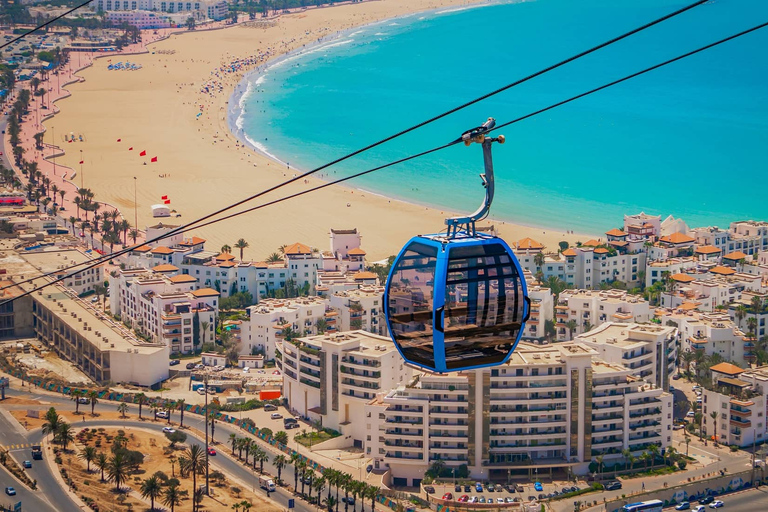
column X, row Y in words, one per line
column 204, row 165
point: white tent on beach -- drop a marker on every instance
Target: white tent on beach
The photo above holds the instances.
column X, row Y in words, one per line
column 161, row 210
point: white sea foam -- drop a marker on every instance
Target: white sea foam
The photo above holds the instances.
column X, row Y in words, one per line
column 380, row 34
column 460, row 9
column 261, row 148
column 320, row 48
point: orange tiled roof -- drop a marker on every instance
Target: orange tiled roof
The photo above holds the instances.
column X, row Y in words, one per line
column 683, row 278
column 528, row 243
column 227, row 264
column 165, row 268
column 143, row 248
column 736, row 255
column 689, row 306
column 601, row 250
column 677, row 238
column 297, row 249
column 615, row 232
column 356, row 252
column 162, row 250
column 225, row 256
column 193, row 241
column 569, row 252
column 707, row 249
column 723, row 271
column 591, row 243
column 183, row 278
column 365, row 275
column 727, row 368
column 205, row 292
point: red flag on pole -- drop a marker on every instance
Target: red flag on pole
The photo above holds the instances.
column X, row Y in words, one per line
column 130, row 148
column 167, row 201
column 143, row 153
column 165, row 197
column 81, row 162
column 154, row 159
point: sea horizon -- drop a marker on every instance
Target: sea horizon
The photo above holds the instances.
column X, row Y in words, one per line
column 273, row 101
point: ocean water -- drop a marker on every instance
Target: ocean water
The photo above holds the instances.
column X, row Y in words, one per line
column 690, row 140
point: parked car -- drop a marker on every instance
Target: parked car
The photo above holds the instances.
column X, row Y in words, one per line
column 542, row 496
column 463, row 499
column 168, row 430
column 429, row 489
column 478, row 487
column 275, row 415
column 348, row 501
column 174, row 362
column 690, row 414
column 199, row 366
column 270, row 407
column 162, row 414
column 499, row 488
column 289, row 426
column 676, row 376
column 508, row 499
column 706, row 500
column 211, row 451
column 448, row 496
column 519, row 488
column 538, row 486
column 190, row 366
column 467, row 488
column 489, row 487
column 84, row 400
column 457, row 488
column 27, row 464
column 481, row 499
column 699, row 508
column 201, row 390
column 531, row 498
column 612, row 485
column 474, row 499
column 683, row 506
column 10, row 491
column 716, row 504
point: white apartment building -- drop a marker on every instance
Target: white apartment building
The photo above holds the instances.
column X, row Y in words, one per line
column 656, row 270
column 331, row 378
column 270, row 318
column 761, row 316
column 643, row 225
column 360, row 309
column 739, row 398
column 648, row 350
column 58, row 259
column 200, row 9
column 542, row 310
column 590, row 308
column 712, row 332
column 547, row 410
column 165, row 308
column 345, row 255
column 709, row 290
column 140, row 19
column 748, row 237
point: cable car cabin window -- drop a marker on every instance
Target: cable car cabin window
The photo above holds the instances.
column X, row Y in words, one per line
column 410, row 302
column 483, row 306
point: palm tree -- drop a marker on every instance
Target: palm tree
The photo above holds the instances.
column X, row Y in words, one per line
column 226, row 249
column 93, row 396
column 329, row 502
column 571, row 326
column 181, row 403
column 302, row 468
column 172, row 496
column 372, row 492
column 687, row 442
column 64, row 434
column 295, row 460
column 233, row 442
column 740, row 313
column 242, row 245
column 204, row 330
column 348, row 485
column 122, row 409
column 281, row 437
column 117, row 469
column 274, row 258
column 140, row 398
column 62, row 193
column 193, row 462
column 151, row 488
column 102, row 463
column 169, row 406
column 88, row 454
column 599, row 460
column 645, row 457
column 76, row 394
column 247, row 446
column 318, row 485
column 538, row 260
column 279, row 461
column 52, row 422
column 260, row 456
column 714, row 415
column 670, row 455
column 654, row 450
column 134, row 234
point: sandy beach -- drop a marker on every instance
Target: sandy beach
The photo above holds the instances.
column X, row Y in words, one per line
column 175, row 109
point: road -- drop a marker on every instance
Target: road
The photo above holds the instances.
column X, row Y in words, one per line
column 222, row 432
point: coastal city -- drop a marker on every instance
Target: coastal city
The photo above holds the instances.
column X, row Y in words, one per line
column 167, row 345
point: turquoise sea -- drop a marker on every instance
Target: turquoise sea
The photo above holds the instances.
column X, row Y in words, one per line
column 690, row 140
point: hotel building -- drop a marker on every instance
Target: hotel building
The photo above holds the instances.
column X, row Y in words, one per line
column 360, row 309
column 332, row 377
column 590, row 308
column 548, row 410
column 200, row 9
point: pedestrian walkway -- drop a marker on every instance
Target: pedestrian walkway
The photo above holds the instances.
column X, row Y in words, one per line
column 11, row 447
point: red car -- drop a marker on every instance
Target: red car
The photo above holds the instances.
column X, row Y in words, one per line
column 463, row 499
column 447, row 496
column 211, row 451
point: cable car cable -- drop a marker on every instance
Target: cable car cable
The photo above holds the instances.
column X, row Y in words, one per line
column 184, row 228
column 381, row 141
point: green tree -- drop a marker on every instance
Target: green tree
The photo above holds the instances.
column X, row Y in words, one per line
column 261, row 457
column 172, row 496
column 193, row 462
column 152, row 489
column 281, row 437
column 241, row 245
column 76, row 394
column 714, row 415
column 117, row 469
column 140, row 398
column 64, row 434
column 88, row 454
column 122, row 409
column 280, row 462
column 571, row 326
column 93, row 396
column 196, row 330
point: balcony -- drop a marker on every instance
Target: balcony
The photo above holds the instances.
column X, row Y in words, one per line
column 400, row 443
column 360, row 384
column 309, row 382
column 400, row 419
column 306, row 360
column 310, row 372
column 367, row 362
column 359, row 373
column 401, row 456
column 738, row 422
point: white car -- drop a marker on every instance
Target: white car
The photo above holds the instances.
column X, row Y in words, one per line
column 162, row 414
column 275, row 415
column 716, row 504
column 473, row 499
column 699, row 508
column 690, row 414
column 201, row 391
column 168, row 430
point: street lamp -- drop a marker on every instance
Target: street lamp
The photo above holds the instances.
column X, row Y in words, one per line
column 207, row 486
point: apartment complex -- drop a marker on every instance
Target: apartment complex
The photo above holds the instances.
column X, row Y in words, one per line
column 649, row 351
column 712, row 332
column 271, row 319
column 548, row 409
column 200, row 9
column 332, row 377
column 748, row 237
column 165, row 306
column 360, row 308
column 739, row 399
column 541, row 311
column 56, row 260
column 578, row 311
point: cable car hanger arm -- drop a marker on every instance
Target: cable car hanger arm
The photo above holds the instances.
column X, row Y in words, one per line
column 478, row 135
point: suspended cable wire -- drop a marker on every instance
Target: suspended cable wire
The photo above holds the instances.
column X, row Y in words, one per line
column 55, row 18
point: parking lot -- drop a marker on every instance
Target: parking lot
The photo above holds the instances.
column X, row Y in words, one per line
column 500, row 493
